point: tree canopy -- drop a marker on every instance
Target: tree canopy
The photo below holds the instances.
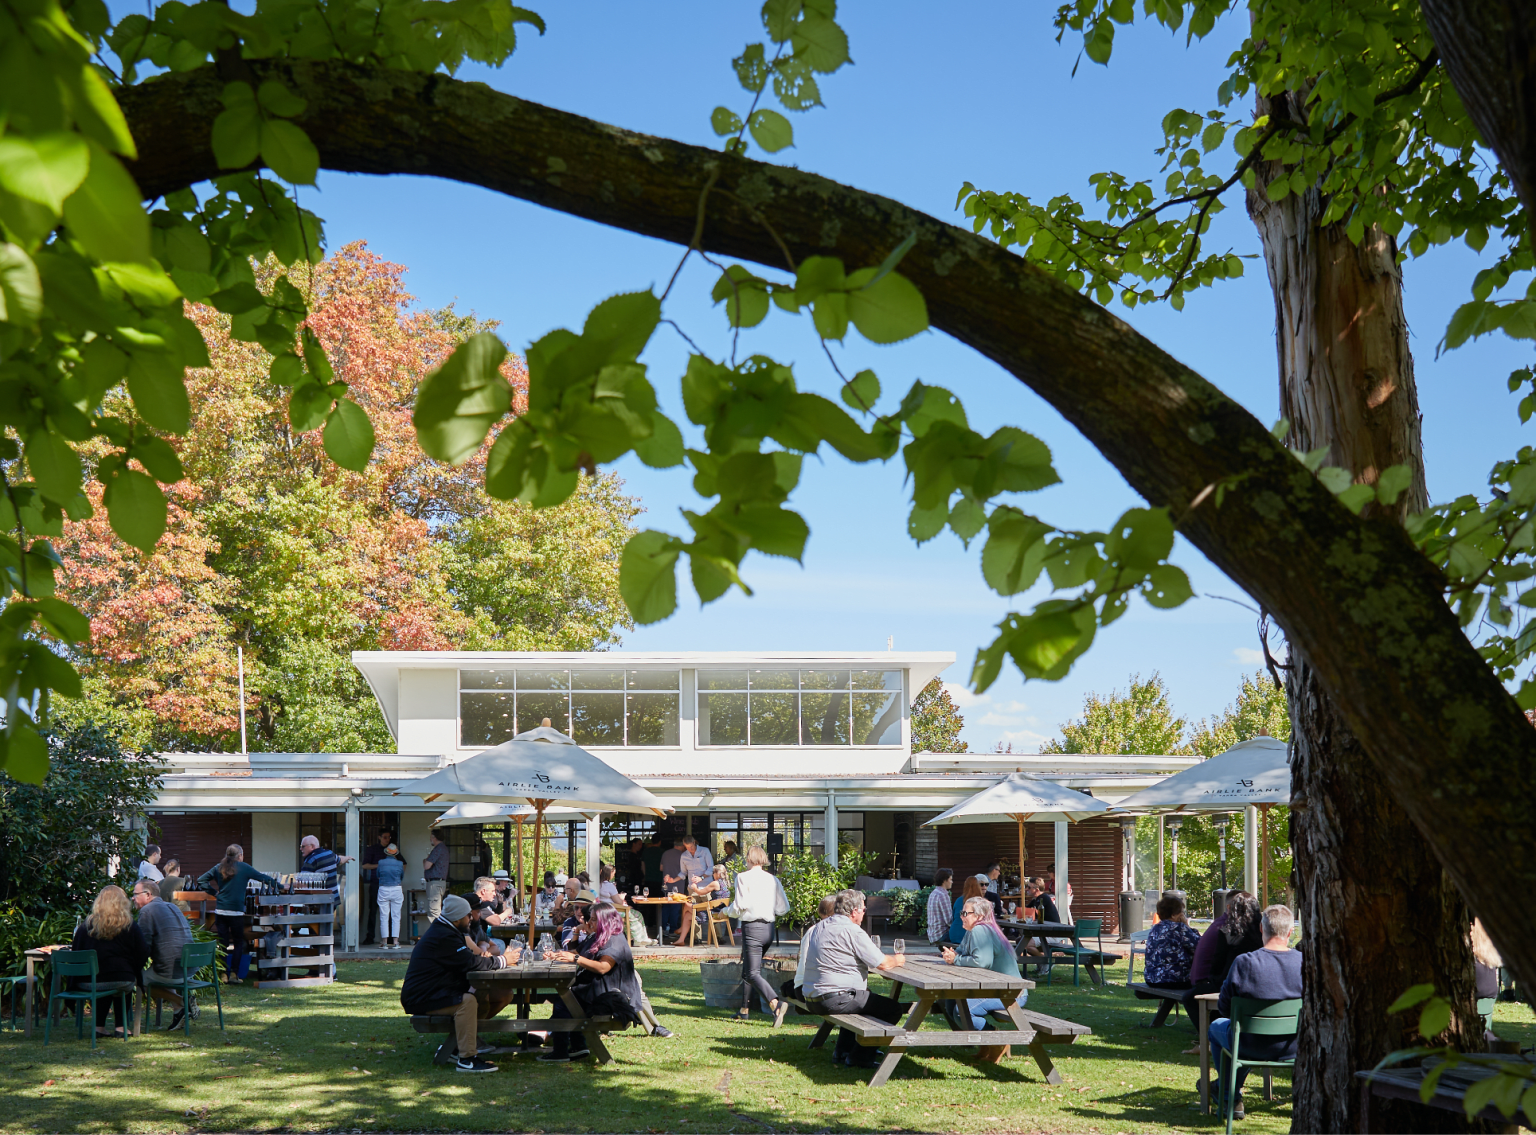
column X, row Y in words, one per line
column 936, row 721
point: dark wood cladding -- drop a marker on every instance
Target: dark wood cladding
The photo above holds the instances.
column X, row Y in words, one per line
column 1093, row 868
column 198, row 839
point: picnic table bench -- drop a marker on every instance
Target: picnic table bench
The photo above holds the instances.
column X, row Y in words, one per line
column 1092, row 960
column 1402, row 1083
column 1170, row 998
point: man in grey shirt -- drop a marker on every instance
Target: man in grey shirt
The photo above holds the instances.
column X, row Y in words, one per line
column 435, row 872
column 836, row 979
column 673, row 882
column 165, row 932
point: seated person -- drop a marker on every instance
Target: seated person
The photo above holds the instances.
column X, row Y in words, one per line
column 1044, row 906
column 1236, row 932
column 483, row 916
column 1171, row 944
column 437, row 983
column 544, row 901
column 605, row 986
column 836, row 979
column 120, row 949
column 607, row 889
column 970, row 888
column 174, row 881
column 564, row 904
column 706, row 889
column 165, row 932
column 578, row 909
column 983, row 947
column 1270, row 973
column 503, row 896
column 795, row 985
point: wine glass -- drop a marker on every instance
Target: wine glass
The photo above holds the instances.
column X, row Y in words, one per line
column 647, row 892
column 875, row 938
column 901, row 945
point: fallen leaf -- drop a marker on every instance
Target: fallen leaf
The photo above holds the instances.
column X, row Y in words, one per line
column 49, row 1083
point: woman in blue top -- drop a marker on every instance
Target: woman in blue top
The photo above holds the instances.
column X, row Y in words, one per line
column 391, row 885
column 971, row 890
column 229, row 877
column 983, row 947
column 1171, row 944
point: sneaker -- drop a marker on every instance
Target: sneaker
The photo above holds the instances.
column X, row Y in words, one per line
column 179, row 1016
column 661, row 1031
column 475, row 1065
column 554, row 1058
column 581, row 1054
column 483, row 1048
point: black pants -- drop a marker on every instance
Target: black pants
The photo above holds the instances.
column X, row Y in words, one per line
column 755, row 937
column 887, row 1009
column 1191, row 1006
column 370, row 926
column 231, row 931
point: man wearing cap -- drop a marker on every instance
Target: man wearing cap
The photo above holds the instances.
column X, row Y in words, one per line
column 437, row 984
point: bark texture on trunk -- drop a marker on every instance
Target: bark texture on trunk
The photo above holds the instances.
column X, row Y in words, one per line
column 1377, row 912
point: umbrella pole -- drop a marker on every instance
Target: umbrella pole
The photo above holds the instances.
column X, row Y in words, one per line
column 538, row 833
column 1264, row 820
column 1020, row 820
column 522, row 895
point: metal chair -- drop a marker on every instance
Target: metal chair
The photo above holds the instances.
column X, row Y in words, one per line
column 83, row 963
column 1138, row 946
column 1086, row 928
column 1256, row 1017
column 194, row 957
column 15, row 984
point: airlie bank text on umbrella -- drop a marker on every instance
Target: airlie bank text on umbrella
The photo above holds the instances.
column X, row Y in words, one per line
column 771, row 748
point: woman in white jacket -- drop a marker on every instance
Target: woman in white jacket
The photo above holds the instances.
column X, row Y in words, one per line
column 759, row 901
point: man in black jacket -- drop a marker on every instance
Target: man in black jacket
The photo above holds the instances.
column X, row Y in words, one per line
column 438, row 978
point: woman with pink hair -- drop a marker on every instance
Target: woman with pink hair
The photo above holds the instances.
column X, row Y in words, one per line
column 606, row 984
column 983, row 947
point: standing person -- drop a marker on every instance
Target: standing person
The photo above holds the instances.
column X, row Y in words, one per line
column 228, row 878
column 1171, row 944
column 1270, row 973
column 120, row 950
column 970, row 889
column 389, row 893
column 174, row 881
column 370, row 865
column 672, row 882
column 606, row 984
column 323, row 861
column 983, row 947
column 435, row 872
column 650, row 859
column 695, row 869
column 836, row 979
column 941, row 905
column 758, row 901
column 149, row 865
column 165, row 932
column 437, row 983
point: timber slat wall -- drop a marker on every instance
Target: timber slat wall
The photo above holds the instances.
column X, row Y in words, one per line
column 1093, row 870
column 198, row 839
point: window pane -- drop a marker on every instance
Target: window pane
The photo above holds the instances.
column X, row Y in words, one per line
column 486, row 719
column 876, row 719
column 723, row 719
column 774, row 721
column 543, row 679
column 824, row 719
column 533, row 708
column 850, row 820
column 877, row 679
column 485, row 679
column 653, row 719
column 653, row 680
column 597, row 719
column 824, row 679
column 775, row 679
column 596, row 680
column 722, row 679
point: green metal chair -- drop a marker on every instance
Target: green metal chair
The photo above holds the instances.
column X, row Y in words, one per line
column 1485, row 1011
column 82, row 963
column 194, row 957
column 14, row 986
column 1086, row 928
column 1256, row 1017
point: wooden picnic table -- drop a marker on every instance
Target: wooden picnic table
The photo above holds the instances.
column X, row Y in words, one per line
column 934, row 981
column 1402, row 1083
column 33, row 956
column 508, row 931
column 1044, row 930
column 538, row 982
column 676, row 900
column 1207, row 1003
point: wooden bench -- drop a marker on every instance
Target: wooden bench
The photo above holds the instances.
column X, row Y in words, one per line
column 1170, row 998
column 424, row 1023
column 871, row 1032
column 1047, row 1030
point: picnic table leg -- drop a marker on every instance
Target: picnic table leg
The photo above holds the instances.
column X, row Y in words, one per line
column 1205, row 1057
column 893, row 1054
column 1365, row 1107
column 821, row 1034
column 31, row 976
column 1037, row 1046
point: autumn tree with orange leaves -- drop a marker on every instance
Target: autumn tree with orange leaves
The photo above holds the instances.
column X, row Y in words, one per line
column 272, row 547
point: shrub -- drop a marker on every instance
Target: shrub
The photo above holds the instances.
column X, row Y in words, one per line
column 807, row 878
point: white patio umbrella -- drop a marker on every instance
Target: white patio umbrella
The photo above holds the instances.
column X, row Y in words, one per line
column 538, row 768
column 1254, row 771
column 478, row 812
column 1021, row 797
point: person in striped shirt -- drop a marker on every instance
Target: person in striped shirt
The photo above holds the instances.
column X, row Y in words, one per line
column 323, row 861
column 941, row 906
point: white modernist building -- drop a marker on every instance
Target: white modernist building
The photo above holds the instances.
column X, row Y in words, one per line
column 779, row 748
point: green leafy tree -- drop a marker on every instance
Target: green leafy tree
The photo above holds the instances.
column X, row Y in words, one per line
column 936, row 721
column 808, row 878
column 1139, row 721
column 1260, row 710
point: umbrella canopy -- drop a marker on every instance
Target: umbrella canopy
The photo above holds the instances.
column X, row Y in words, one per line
column 1022, row 797
column 541, row 767
column 474, row 812
column 1254, row 771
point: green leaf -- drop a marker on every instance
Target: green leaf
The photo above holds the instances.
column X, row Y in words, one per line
column 862, row 391
column 1434, row 1017
column 135, row 508
column 830, row 315
column 779, row 18
column 771, row 130
column 1480, row 1094
column 459, row 402
column 348, row 436
column 237, row 137
column 1044, row 645
column 287, row 370
column 159, row 391
column 1334, row 479
column 925, row 523
column 44, row 169
column 289, row 152
column 63, row 619
column 1141, row 538
column 105, row 214
column 820, row 42
column 724, row 121
column 648, row 576
column 664, row 448
column 54, row 465
column 279, row 100
column 967, row 518
column 773, row 531
column 817, row 275
column 26, row 756
column 745, row 296
column 886, row 310
column 1167, row 586
column 146, row 283
column 21, row 288
column 1014, row 552
column 157, row 456
column 1355, row 497
column 309, row 405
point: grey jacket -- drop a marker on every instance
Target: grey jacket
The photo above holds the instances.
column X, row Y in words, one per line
column 165, row 931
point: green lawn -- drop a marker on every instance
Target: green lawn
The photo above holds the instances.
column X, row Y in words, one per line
column 342, row 1057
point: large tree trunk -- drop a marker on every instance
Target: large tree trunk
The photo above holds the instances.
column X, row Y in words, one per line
column 1377, row 912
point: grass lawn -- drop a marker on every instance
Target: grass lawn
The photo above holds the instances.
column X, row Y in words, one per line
column 343, row 1058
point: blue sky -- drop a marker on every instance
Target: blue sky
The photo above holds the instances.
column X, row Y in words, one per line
column 937, row 96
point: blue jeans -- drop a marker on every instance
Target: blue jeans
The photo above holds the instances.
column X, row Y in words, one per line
column 671, row 917
column 1221, row 1037
column 981, row 1006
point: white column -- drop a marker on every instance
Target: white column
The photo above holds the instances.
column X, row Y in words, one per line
column 829, row 830
column 594, row 848
column 352, row 869
column 1130, row 864
column 1161, row 882
column 1251, row 850
column 1063, row 899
